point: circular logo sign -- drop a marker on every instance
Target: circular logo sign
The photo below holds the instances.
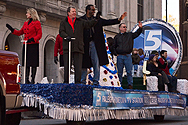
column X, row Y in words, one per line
column 160, row 35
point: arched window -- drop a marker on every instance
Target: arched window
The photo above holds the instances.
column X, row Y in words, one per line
column 50, row 68
column 12, row 43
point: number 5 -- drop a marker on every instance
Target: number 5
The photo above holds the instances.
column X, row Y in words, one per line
column 98, row 97
column 156, row 39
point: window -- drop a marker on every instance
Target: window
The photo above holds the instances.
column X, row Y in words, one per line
column 140, row 10
column 76, row 1
column 98, row 4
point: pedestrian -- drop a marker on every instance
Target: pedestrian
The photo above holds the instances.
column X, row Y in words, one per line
column 140, row 66
column 123, row 46
column 58, row 48
column 142, row 56
column 154, row 52
column 110, row 42
column 152, row 66
column 95, row 54
column 163, row 64
column 72, row 27
column 32, row 34
column 157, row 54
column 135, row 60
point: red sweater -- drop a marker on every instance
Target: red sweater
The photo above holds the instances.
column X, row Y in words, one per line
column 58, row 45
column 33, row 30
column 166, row 69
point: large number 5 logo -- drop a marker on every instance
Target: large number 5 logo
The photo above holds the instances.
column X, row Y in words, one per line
column 150, row 37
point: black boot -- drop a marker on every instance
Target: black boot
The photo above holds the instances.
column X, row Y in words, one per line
column 27, row 75
column 34, row 70
column 32, row 81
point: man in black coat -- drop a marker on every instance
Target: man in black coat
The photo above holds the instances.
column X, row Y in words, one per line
column 73, row 27
column 94, row 44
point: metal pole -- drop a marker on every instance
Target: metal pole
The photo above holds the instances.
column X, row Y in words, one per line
column 69, row 59
column 25, row 61
column 166, row 12
column 25, row 58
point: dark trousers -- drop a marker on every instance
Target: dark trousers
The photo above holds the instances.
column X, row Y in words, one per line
column 161, row 86
column 61, row 61
column 163, row 79
column 77, row 61
column 173, row 83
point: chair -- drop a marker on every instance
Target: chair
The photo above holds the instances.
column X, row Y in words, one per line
column 145, row 72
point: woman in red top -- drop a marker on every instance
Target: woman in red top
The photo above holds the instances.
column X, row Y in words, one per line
column 58, row 48
column 32, row 34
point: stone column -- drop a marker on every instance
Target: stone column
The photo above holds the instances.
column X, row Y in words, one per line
column 182, row 73
column 111, row 9
column 90, row 2
column 121, row 9
column 111, row 6
column 104, row 7
column 81, row 4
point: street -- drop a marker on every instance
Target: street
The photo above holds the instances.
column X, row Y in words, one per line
column 172, row 120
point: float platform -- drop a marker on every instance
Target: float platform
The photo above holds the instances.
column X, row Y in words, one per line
column 77, row 102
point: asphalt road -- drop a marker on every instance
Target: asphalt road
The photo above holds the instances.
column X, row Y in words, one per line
column 169, row 120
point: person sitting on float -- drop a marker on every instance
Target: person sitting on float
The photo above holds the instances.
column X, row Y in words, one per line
column 152, row 66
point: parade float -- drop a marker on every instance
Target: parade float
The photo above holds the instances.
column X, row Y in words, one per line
column 77, row 102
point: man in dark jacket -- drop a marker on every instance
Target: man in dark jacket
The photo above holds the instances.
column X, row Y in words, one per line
column 163, row 64
column 123, row 46
column 94, row 44
column 73, row 27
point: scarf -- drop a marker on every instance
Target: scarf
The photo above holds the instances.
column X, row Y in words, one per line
column 71, row 22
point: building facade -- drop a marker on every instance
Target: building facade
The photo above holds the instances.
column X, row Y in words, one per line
column 182, row 73
column 51, row 12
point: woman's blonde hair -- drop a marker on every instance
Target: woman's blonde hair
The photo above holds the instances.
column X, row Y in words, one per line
column 33, row 13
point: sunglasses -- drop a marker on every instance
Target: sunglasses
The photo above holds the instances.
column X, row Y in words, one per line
column 93, row 9
column 124, row 27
